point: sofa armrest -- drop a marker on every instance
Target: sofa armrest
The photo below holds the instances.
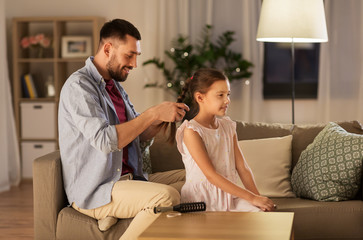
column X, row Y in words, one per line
column 49, row 195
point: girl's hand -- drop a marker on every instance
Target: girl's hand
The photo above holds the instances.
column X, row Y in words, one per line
column 264, row 203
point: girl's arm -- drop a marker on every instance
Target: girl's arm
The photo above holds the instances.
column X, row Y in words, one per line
column 197, row 149
column 245, row 173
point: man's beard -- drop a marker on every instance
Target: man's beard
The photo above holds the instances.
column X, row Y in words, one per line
column 117, row 75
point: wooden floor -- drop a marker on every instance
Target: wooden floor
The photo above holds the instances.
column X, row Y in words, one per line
column 16, row 212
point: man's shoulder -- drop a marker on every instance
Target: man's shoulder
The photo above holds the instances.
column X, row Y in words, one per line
column 80, row 77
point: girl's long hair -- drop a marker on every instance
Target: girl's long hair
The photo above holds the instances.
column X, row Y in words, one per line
column 199, row 82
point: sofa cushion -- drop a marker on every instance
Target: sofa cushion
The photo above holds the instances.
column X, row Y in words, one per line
column 248, row 131
column 270, row 162
column 324, row 220
column 330, row 168
column 164, row 156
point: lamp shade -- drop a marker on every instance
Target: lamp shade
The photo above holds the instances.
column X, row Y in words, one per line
column 292, row 21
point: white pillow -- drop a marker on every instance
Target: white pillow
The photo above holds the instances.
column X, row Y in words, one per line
column 270, row 162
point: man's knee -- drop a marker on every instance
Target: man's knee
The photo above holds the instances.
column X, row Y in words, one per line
column 169, row 196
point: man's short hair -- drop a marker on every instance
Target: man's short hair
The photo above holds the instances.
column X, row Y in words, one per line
column 119, row 28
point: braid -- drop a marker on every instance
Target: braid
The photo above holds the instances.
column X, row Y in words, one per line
column 180, row 99
column 184, row 91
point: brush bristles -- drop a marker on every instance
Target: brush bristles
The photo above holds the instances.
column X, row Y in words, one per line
column 183, row 207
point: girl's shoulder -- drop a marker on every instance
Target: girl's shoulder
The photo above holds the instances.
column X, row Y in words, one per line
column 227, row 122
column 192, row 124
column 179, row 136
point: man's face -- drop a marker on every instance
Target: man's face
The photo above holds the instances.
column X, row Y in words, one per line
column 122, row 58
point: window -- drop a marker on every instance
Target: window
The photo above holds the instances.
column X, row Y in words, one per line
column 277, row 70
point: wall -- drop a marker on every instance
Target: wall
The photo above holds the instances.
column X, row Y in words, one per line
column 134, row 11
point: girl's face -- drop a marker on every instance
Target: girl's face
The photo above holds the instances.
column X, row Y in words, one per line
column 216, row 100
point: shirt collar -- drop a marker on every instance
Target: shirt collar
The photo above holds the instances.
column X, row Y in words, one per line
column 94, row 72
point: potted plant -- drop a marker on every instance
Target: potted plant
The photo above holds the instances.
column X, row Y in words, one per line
column 186, row 58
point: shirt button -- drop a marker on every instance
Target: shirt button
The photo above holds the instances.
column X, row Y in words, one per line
column 111, row 182
column 118, row 169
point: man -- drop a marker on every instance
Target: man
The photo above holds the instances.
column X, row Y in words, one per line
column 100, row 134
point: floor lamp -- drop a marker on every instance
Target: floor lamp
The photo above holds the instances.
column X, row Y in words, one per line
column 292, row 21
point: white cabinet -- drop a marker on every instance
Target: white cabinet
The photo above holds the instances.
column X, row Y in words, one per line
column 38, row 120
column 32, row 150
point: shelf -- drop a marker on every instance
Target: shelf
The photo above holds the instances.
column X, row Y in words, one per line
column 36, row 116
column 69, row 60
column 45, row 99
column 35, row 60
column 38, row 139
column 50, row 60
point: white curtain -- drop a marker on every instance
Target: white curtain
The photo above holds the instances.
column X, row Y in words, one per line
column 165, row 19
column 9, row 150
column 252, row 97
column 340, row 94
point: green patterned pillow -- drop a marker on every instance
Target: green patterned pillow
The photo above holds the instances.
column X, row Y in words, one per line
column 330, row 168
column 145, row 154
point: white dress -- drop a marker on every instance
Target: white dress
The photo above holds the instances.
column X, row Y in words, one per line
column 219, row 145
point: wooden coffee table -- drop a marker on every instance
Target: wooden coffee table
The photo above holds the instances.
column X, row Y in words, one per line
column 222, row 225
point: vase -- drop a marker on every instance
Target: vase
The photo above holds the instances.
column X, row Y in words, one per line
column 40, row 52
column 36, row 52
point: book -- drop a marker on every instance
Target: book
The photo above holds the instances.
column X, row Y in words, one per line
column 30, row 86
column 24, row 87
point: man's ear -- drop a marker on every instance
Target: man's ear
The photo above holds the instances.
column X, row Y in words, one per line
column 107, row 48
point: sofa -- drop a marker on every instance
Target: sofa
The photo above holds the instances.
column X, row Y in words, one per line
column 54, row 219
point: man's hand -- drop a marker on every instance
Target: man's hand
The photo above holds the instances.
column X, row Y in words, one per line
column 145, row 124
column 164, row 112
column 169, row 111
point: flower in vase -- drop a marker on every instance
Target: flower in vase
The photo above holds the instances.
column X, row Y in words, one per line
column 38, row 41
column 42, row 40
column 25, row 42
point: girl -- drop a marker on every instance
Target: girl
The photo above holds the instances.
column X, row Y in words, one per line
column 209, row 147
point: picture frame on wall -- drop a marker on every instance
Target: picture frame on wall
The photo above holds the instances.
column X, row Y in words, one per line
column 76, row 46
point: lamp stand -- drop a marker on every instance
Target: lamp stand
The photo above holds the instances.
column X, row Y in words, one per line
column 293, row 80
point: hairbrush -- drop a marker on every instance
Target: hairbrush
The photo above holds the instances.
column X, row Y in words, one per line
column 183, row 207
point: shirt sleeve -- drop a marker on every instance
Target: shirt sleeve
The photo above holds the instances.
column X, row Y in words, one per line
column 86, row 110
